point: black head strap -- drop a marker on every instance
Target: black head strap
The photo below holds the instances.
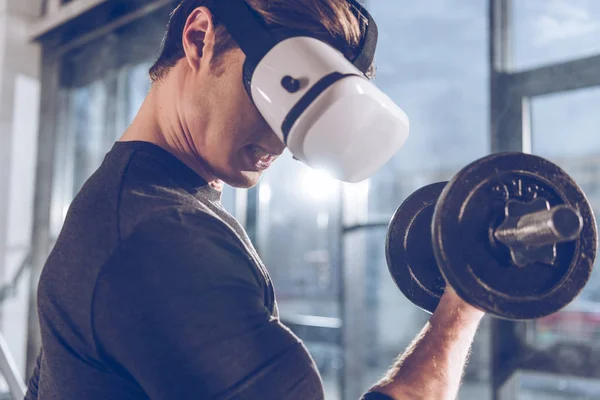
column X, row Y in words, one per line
column 366, row 55
column 254, row 38
column 246, row 27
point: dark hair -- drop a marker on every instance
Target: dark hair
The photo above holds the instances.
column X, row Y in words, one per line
column 330, row 20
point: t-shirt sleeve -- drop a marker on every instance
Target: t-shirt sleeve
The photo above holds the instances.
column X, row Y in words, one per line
column 376, row 396
column 180, row 310
column 32, row 387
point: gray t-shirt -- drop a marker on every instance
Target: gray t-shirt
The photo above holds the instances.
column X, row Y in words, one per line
column 154, row 291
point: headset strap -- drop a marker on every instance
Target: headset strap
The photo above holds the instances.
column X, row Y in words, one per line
column 365, row 57
column 246, row 27
column 255, row 39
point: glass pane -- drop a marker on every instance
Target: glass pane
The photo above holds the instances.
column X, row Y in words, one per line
column 133, row 85
column 432, row 60
column 393, row 322
column 228, row 199
column 88, row 126
column 565, row 126
column 533, row 386
column 565, row 131
column 329, row 362
column 550, row 31
column 298, row 237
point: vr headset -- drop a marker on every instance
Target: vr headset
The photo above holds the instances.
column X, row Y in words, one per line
column 320, row 104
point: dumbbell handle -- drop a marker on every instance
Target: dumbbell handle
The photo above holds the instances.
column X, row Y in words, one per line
column 559, row 224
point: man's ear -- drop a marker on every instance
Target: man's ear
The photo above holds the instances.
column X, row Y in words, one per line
column 199, row 38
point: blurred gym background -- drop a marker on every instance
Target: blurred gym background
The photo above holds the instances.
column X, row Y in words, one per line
column 474, row 76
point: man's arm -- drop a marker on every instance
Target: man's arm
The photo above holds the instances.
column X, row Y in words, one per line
column 180, row 312
column 433, row 365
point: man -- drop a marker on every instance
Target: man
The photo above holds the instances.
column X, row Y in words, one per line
column 154, row 291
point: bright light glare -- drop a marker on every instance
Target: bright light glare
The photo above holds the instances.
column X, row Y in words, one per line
column 319, row 185
column 359, row 190
column 264, row 193
column 322, row 220
column 356, row 201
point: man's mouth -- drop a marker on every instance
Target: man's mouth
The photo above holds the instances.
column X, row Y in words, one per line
column 261, row 159
column 262, row 154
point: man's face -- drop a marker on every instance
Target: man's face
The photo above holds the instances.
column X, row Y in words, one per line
column 230, row 137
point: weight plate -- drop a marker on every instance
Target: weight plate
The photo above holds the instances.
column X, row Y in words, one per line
column 472, row 206
column 408, row 249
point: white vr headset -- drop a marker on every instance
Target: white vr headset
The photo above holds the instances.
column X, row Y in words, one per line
column 320, row 104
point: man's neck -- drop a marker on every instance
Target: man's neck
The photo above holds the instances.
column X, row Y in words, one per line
column 157, row 122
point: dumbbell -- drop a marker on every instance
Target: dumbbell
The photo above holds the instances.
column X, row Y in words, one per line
column 512, row 233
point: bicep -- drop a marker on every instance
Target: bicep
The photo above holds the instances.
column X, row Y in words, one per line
column 188, row 324
column 186, row 357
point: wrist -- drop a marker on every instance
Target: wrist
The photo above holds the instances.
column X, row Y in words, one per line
column 451, row 304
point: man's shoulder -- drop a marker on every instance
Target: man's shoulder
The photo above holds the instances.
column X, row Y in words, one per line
column 177, row 246
column 180, row 234
column 150, row 196
column 190, row 223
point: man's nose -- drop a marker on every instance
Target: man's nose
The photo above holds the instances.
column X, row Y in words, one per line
column 274, row 143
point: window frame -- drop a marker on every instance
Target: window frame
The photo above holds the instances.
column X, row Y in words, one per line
column 510, row 130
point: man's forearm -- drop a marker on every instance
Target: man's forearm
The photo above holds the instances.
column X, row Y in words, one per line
column 433, row 365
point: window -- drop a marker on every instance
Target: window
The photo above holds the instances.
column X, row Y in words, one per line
column 549, row 31
column 298, row 237
column 565, row 129
column 323, row 242
column 432, row 60
column 534, row 386
column 553, row 114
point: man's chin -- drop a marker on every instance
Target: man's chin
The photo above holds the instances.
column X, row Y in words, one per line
column 245, row 180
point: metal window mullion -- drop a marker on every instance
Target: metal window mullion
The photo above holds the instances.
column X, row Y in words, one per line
column 364, row 226
column 62, row 175
column 506, row 102
column 327, row 331
column 113, row 25
column 43, row 194
column 58, row 14
column 512, row 131
column 574, row 360
column 112, row 106
column 506, row 135
column 343, row 376
column 562, row 77
column 500, row 35
column 353, row 306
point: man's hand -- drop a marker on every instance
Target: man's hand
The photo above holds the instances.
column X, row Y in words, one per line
column 433, row 365
column 451, row 302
